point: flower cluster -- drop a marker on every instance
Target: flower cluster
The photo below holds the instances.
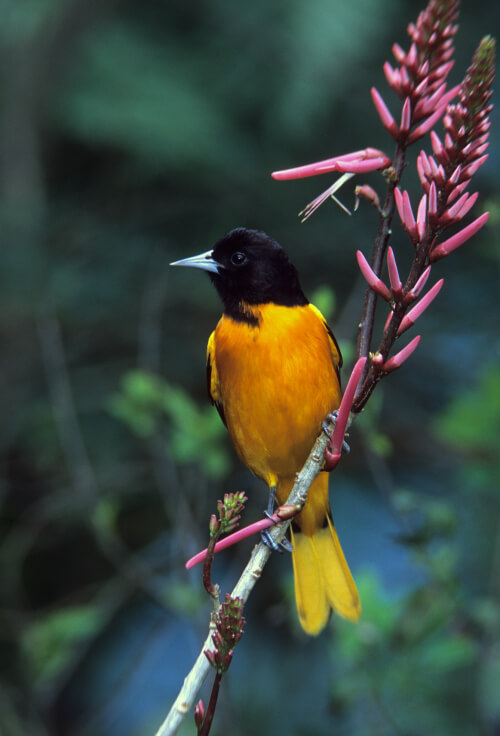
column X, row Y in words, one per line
column 229, row 514
column 229, row 627
column 420, row 80
column 446, row 175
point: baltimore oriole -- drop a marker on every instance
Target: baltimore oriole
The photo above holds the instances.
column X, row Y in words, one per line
column 273, row 373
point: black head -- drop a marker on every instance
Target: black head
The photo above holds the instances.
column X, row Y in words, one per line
column 249, row 267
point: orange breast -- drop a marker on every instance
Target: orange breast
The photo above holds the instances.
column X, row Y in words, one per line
column 277, row 382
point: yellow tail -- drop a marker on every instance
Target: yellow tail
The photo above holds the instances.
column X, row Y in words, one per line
column 323, row 581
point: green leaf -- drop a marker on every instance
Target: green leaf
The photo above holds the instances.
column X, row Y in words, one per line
column 472, row 421
column 325, row 300
column 50, row 642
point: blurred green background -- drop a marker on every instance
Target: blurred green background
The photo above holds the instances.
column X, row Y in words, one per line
column 133, row 134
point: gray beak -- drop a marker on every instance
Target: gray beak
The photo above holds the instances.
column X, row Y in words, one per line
column 205, row 261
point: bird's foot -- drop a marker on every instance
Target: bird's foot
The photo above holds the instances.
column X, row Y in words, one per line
column 284, row 545
column 332, row 419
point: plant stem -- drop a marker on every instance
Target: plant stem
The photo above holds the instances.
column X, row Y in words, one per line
column 207, row 721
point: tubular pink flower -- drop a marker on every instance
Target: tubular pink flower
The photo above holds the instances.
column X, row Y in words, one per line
column 445, row 248
column 469, row 170
column 231, row 539
column 393, row 77
column 441, row 72
column 334, row 449
column 424, row 127
column 461, row 207
column 416, row 311
column 423, row 70
column 476, row 148
column 421, row 88
column 456, row 175
column 405, row 211
column 405, row 124
column 424, row 168
column 399, row 54
column 385, row 116
column 396, row 285
column 412, row 59
column 413, row 293
column 374, row 282
column 438, row 149
column 457, row 192
column 363, row 167
column 281, row 513
column 448, row 142
column 368, row 159
column 427, row 105
column 422, row 217
column 397, row 360
column 433, row 204
column 406, row 83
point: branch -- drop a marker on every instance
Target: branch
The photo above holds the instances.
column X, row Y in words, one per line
column 249, row 577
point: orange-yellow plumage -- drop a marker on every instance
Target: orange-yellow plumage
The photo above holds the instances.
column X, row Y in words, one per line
column 275, row 379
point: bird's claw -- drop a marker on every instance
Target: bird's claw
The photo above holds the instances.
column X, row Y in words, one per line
column 283, row 546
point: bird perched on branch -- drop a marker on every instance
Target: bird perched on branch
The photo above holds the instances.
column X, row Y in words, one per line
column 273, row 374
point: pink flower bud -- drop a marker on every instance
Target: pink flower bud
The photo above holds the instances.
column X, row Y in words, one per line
column 397, row 360
column 432, row 210
column 405, row 212
column 412, row 59
column 413, row 293
column 396, row 285
column 368, row 193
column 421, row 218
column 199, row 713
column 456, row 175
column 385, row 116
column 405, row 117
column 458, row 211
column 393, row 77
column 456, row 192
column 416, row 311
column 399, row 54
column 439, row 150
column 374, row 282
column 445, row 248
column 469, row 171
column 424, row 127
column 334, row 450
column 211, row 657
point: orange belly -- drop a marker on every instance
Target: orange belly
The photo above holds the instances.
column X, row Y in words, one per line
column 277, row 383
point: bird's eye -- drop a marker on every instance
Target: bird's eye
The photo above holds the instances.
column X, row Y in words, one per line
column 238, row 259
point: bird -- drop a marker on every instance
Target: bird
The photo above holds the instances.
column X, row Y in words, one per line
column 273, row 374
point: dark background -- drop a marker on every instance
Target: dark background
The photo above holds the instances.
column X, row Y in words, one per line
column 133, row 134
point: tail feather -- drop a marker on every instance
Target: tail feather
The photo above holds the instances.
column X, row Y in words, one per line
column 310, row 596
column 323, row 581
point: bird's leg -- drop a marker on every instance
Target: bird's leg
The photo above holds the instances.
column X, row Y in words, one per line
column 284, row 545
column 332, row 418
column 270, row 501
